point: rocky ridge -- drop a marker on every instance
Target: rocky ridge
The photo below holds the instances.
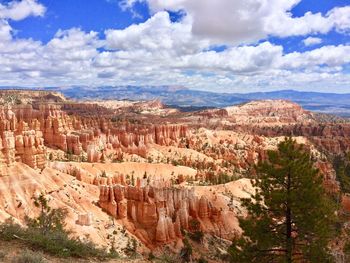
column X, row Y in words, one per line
column 269, row 112
column 156, row 175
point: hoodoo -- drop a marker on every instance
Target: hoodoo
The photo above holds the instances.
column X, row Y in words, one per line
column 158, row 179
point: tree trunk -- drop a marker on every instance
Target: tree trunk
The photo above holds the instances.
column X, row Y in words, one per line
column 289, row 236
column 288, row 223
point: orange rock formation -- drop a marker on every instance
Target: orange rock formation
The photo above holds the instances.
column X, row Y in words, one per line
column 159, row 211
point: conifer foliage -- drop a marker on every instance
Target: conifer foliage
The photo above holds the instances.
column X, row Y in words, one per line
column 290, row 216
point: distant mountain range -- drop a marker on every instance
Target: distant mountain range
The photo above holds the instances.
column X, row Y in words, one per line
column 188, row 99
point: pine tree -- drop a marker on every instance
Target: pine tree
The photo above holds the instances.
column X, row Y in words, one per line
column 341, row 165
column 49, row 219
column 290, row 216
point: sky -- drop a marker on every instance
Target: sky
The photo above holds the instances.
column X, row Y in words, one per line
column 213, row 45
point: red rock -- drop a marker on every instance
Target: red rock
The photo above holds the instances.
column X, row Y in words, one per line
column 160, row 211
column 345, row 203
column 85, row 219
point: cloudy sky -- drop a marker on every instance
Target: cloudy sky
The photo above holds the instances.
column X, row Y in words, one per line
column 215, row 45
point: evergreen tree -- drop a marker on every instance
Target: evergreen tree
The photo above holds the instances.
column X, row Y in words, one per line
column 290, row 217
column 341, row 165
column 49, row 219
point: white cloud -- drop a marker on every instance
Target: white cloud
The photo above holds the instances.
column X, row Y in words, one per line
column 228, row 21
column 245, row 59
column 155, row 35
column 237, row 22
column 71, row 58
column 331, row 56
column 124, row 4
column 310, row 41
column 19, row 10
column 5, row 31
column 161, row 52
column 340, row 16
column 66, row 58
column 74, row 44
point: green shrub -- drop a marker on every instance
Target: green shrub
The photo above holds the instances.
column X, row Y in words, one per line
column 28, row 256
column 167, row 257
column 60, row 244
column 196, row 233
column 186, row 251
column 2, row 254
column 196, row 236
column 69, row 155
column 202, row 260
column 131, row 248
column 151, row 256
column 104, row 174
column 47, row 233
column 341, row 166
column 57, row 243
column 9, row 230
column 49, row 219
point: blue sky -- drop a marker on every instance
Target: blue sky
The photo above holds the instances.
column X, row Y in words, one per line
column 221, row 45
column 95, row 15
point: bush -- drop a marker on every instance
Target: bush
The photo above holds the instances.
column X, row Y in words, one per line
column 49, row 219
column 57, row 243
column 9, row 230
column 168, row 257
column 131, row 248
column 196, row 236
column 2, row 254
column 104, row 174
column 60, row 244
column 196, row 233
column 28, row 256
column 186, row 251
column 202, row 260
column 47, row 233
column 341, row 166
column 151, row 256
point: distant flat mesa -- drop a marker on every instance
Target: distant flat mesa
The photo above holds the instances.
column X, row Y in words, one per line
column 144, row 107
column 27, row 95
column 269, row 112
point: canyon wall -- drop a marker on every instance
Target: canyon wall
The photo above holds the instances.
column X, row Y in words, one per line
column 26, row 130
column 158, row 212
column 332, row 138
column 20, row 141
